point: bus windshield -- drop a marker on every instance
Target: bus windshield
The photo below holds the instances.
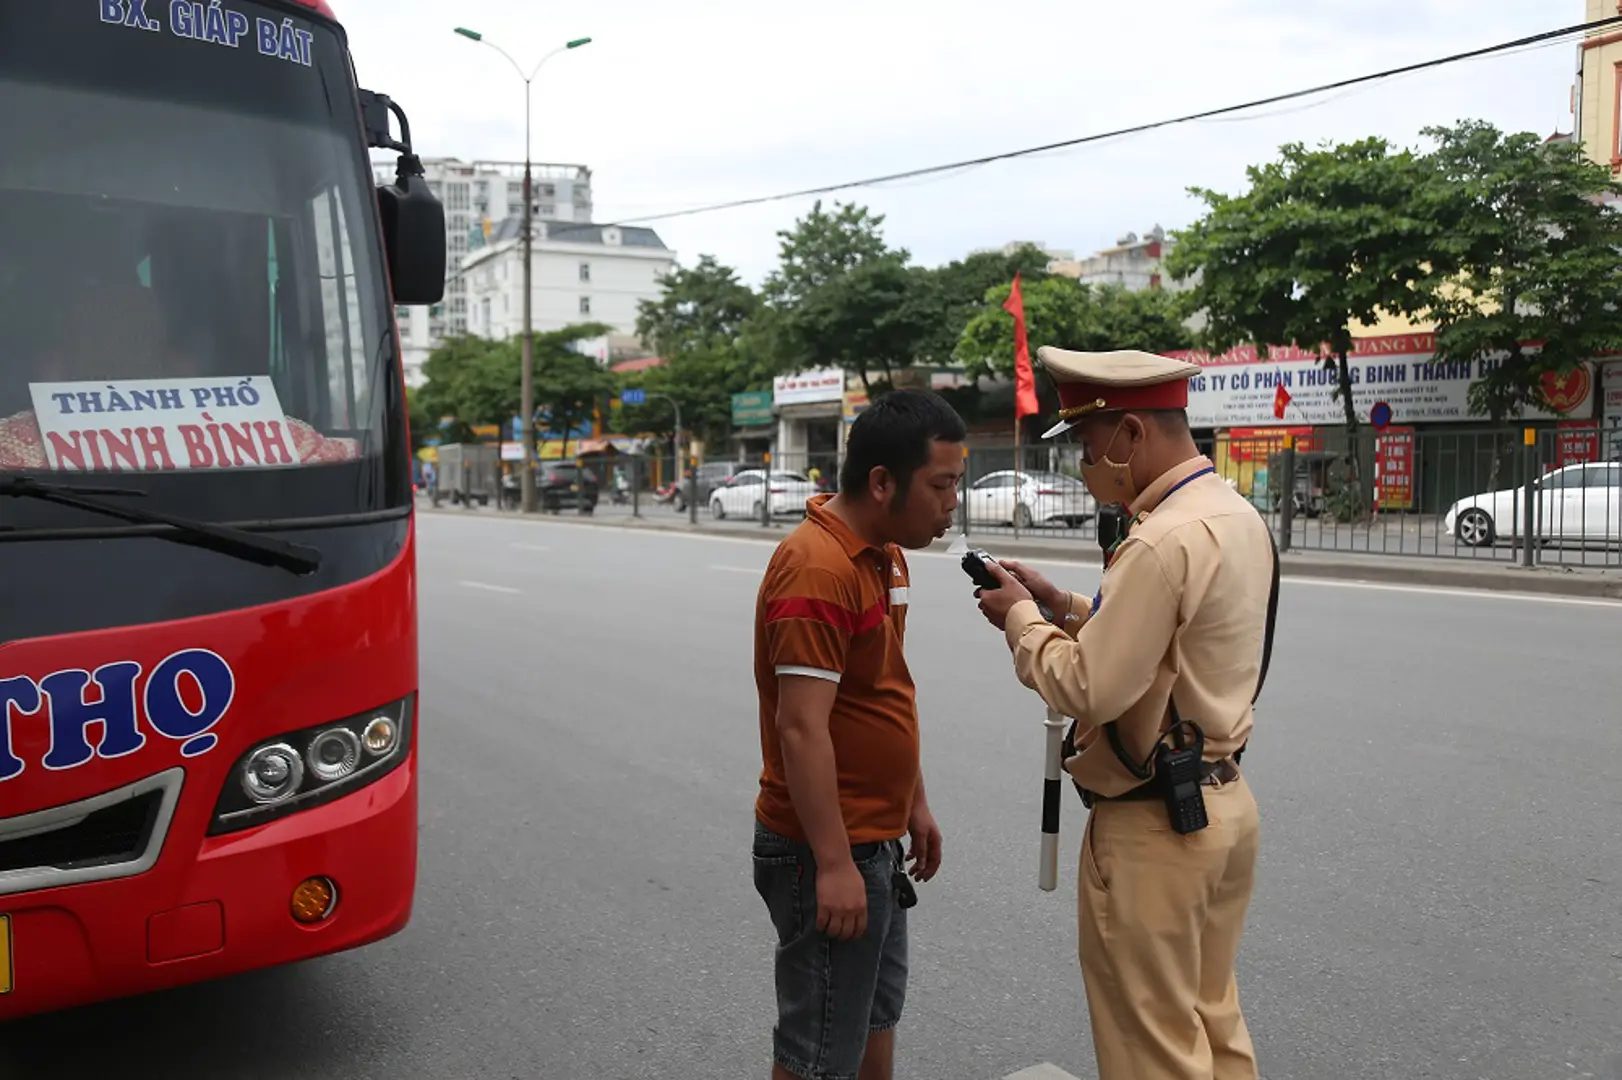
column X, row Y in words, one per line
column 192, row 300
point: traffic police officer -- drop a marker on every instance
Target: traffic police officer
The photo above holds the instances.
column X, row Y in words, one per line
column 1169, row 651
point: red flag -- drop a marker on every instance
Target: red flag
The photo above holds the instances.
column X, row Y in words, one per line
column 1281, row 400
column 1024, row 377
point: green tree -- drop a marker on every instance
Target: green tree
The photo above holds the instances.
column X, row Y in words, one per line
column 823, row 246
column 470, row 381
column 1322, row 239
column 1069, row 315
column 841, row 297
column 1532, row 255
column 700, row 308
column 960, row 291
column 869, row 321
column 570, row 387
column 703, row 330
column 476, row 381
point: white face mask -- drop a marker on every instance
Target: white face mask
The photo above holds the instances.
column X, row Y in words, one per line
column 1110, row 481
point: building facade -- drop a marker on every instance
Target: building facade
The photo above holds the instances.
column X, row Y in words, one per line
column 1595, row 97
column 476, row 195
column 1596, row 108
column 1134, row 263
column 581, row 273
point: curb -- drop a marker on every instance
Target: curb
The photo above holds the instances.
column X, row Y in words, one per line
column 1352, row 567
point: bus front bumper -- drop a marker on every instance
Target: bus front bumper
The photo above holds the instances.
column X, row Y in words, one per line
column 221, row 908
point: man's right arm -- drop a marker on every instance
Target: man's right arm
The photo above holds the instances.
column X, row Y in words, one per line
column 804, row 703
column 808, row 624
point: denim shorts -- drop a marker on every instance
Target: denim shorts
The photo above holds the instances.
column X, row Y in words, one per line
column 831, row 994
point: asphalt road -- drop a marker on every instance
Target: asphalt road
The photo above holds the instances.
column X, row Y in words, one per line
column 1439, row 895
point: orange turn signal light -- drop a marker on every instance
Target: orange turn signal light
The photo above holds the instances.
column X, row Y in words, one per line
column 314, row 900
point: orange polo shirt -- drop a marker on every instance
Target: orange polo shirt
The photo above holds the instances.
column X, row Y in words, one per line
column 833, row 606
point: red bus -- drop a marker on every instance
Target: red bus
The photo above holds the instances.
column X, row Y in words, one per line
column 208, row 639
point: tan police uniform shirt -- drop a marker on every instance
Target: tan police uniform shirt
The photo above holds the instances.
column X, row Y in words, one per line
column 1184, row 605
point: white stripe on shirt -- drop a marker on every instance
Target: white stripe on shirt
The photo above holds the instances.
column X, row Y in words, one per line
column 815, row 673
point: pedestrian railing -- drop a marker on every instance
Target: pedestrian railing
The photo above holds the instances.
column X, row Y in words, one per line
column 1489, row 495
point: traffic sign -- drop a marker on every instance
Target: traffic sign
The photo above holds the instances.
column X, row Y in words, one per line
column 1380, row 416
column 633, row 397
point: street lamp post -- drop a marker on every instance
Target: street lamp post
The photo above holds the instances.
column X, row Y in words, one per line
column 526, row 475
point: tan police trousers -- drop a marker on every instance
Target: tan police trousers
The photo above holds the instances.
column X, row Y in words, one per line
column 1160, row 918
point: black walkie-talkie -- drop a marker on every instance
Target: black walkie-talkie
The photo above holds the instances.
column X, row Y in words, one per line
column 1112, row 522
column 1177, row 772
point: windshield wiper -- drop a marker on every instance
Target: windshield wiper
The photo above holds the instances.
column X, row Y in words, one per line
column 264, row 550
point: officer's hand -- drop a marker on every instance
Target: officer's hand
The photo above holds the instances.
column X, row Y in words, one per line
column 995, row 603
column 1046, row 593
column 841, row 901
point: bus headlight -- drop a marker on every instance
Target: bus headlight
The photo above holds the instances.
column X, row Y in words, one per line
column 315, row 765
column 334, row 753
column 272, row 773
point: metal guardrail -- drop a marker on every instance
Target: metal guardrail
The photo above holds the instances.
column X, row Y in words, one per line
column 1432, row 494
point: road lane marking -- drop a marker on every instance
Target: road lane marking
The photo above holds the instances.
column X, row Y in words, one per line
column 737, row 569
column 1044, row 1071
column 489, row 588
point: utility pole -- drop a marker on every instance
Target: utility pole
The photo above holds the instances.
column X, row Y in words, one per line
column 526, row 391
column 526, row 388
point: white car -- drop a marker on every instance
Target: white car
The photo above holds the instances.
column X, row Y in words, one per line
column 743, row 493
column 1580, row 503
column 1029, row 498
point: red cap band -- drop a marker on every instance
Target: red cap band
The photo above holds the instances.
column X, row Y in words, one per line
column 1166, row 395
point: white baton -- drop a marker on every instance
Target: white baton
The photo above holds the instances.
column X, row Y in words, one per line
column 1048, row 874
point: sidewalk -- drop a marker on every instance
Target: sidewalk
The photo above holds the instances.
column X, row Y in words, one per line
column 1436, row 571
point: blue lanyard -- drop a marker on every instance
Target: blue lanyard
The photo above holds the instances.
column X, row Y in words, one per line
column 1098, row 598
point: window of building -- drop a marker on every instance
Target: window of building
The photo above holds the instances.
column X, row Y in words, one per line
column 549, row 190
column 585, row 271
column 585, row 305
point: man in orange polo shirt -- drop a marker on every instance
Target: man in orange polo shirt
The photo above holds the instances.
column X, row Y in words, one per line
column 839, row 740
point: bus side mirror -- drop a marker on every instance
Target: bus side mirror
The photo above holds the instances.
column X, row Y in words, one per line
column 413, row 220
column 414, row 234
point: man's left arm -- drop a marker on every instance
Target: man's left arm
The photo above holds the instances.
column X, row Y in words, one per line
column 925, row 853
column 1114, row 657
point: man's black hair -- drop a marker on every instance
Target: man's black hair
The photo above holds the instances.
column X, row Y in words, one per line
column 897, row 432
column 1172, row 421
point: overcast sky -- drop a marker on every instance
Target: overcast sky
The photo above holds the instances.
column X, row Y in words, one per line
column 671, row 110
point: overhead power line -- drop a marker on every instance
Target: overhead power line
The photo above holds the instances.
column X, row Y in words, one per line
column 1135, row 129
